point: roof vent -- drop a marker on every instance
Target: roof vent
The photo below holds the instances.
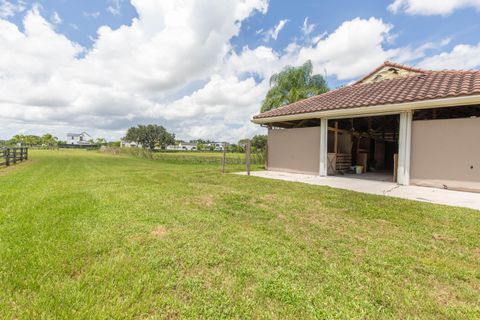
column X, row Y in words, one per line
column 393, row 70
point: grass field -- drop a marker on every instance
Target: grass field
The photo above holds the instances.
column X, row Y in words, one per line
column 85, row 235
column 199, row 157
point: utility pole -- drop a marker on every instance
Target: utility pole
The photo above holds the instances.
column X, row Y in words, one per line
column 224, row 160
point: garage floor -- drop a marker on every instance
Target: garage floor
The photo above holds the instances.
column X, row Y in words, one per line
column 425, row 194
column 375, row 176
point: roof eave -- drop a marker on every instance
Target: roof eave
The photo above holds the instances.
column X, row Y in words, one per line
column 375, row 110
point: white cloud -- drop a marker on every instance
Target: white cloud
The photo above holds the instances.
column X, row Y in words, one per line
column 115, row 7
column 264, row 61
column 461, row 57
column 358, row 46
column 274, row 32
column 214, row 111
column 9, row 8
column 355, row 48
column 308, row 37
column 408, row 54
column 132, row 74
column 56, row 18
column 352, row 50
column 431, row 7
column 307, row 28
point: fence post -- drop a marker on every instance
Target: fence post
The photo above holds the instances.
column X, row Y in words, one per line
column 7, row 157
column 14, row 155
column 248, row 156
column 266, row 156
column 224, row 156
column 26, row 153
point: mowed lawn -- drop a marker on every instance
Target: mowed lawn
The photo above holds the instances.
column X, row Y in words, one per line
column 85, row 235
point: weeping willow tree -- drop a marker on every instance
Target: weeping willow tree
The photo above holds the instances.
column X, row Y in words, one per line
column 293, row 84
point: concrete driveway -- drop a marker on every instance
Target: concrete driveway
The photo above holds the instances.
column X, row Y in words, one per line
column 438, row 196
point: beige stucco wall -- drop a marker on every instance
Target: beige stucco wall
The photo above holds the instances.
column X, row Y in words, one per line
column 446, row 153
column 294, row 150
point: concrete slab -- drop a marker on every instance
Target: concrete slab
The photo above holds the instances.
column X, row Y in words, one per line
column 424, row 194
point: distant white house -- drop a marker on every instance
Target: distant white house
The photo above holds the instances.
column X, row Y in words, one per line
column 129, row 144
column 217, row 146
column 78, row 138
column 183, row 146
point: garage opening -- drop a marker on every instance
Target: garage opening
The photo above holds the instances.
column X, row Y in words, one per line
column 364, row 148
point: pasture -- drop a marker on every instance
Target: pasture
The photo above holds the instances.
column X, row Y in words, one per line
column 91, row 235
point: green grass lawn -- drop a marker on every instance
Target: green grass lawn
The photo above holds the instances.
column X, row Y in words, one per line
column 96, row 236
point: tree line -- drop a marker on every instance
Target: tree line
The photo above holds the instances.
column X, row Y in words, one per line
column 153, row 136
column 46, row 140
column 31, row 140
column 149, row 136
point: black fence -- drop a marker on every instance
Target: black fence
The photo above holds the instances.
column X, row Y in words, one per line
column 10, row 156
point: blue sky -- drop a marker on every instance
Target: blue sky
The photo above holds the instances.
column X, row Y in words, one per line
column 201, row 67
column 81, row 19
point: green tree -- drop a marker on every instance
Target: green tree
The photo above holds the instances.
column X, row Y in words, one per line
column 234, row 148
column 259, row 142
column 242, row 142
column 114, row 144
column 293, row 84
column 100, row 141
column 49, row 140
column 150, row 136
column 27, row 140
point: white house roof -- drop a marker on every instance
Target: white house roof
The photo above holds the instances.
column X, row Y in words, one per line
column 77, row 134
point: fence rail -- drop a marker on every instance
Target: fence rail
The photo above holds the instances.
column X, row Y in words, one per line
column 10, row 156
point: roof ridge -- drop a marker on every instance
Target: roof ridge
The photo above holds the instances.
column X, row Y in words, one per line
column 391, row 64
column 406, row 67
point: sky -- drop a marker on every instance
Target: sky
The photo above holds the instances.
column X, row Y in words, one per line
column 201, row 68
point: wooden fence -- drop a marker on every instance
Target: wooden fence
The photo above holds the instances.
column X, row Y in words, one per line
column 10, row 156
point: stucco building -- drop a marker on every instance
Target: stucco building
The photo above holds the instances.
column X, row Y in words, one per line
column 405, row 124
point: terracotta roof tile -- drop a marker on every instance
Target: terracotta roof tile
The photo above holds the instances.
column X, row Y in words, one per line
column 425, row 85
